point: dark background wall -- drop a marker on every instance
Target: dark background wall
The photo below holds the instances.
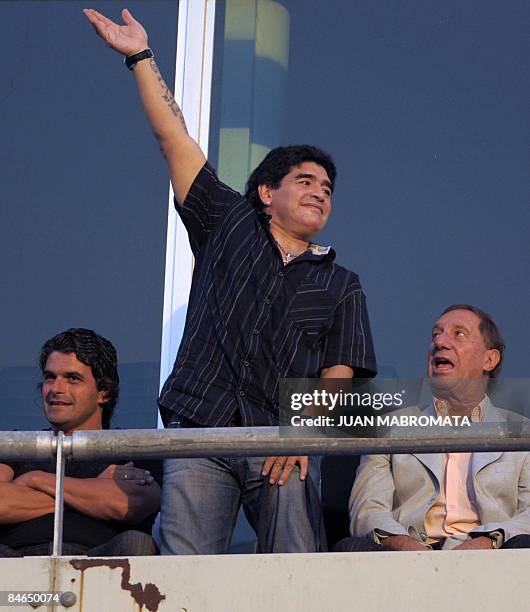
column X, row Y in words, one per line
column 425, row 106
column 84, row 195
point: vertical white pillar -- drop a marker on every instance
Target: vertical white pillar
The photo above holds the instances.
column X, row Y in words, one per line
column 193, row 78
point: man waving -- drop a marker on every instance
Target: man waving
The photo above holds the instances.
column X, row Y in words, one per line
column 266, row 303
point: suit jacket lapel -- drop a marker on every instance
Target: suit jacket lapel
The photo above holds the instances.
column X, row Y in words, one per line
column 480, row 460
column 434, row 462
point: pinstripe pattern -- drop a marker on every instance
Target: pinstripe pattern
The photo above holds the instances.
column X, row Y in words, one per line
column 251, row 320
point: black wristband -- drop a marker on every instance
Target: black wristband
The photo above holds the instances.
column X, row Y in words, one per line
column 132, row 60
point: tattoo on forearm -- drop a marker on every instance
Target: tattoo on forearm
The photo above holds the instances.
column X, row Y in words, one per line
column 167, row 95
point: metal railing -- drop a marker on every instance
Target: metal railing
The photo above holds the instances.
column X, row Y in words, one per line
column 131, row 444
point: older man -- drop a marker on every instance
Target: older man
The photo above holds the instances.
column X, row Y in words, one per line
column 454, row 500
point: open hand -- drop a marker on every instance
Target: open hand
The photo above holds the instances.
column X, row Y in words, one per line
column 127, row 39
column 280, row 468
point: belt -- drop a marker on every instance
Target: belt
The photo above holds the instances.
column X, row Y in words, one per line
column 181, row 422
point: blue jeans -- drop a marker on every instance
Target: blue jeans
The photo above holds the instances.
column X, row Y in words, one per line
column 201, row 500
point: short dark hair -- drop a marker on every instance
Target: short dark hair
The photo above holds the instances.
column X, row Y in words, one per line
column 279, row 162
column 94, row 351
column 489, row 331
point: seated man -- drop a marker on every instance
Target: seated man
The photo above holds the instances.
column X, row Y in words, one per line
column 453, row 500
column 109, row 509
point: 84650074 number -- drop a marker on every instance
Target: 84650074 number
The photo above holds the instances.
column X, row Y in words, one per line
column 20, row 598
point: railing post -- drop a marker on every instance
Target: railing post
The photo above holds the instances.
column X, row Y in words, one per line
column 59, row 498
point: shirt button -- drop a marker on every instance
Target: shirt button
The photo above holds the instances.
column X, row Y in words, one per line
column 256, row 332
column 267, row 300
column 246, row 363
column 242, row 393
column 280, row 274
column 451, row 507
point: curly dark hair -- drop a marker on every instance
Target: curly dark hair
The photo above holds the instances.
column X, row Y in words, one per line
column 279, row 162
column 489, row 331
column 94, row 351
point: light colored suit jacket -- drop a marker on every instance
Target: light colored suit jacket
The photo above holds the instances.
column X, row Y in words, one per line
column 392, row 493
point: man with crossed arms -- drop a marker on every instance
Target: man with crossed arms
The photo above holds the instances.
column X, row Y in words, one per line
column 109, row 509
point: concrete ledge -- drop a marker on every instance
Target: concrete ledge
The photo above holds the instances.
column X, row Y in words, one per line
column 434, row 581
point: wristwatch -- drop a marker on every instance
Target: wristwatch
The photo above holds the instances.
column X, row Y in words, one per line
column 132, row 60
column 496, row 538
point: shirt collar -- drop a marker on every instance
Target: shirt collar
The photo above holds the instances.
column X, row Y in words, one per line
column 318, row 249
column 263, row 217
column 477, row 415
column 314, row 249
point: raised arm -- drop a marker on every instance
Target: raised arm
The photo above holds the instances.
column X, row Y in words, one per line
column 183, row 155
column 20, row 503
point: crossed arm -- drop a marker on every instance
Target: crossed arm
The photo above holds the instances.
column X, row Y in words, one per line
column 109, row 496
column 20, row 502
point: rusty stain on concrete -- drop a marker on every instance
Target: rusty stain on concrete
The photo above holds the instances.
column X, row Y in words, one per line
column 148, row 596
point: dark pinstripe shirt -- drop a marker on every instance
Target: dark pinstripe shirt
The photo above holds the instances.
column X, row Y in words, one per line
column 251, row 320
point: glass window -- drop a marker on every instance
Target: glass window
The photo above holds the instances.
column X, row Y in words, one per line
column 424, row 107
